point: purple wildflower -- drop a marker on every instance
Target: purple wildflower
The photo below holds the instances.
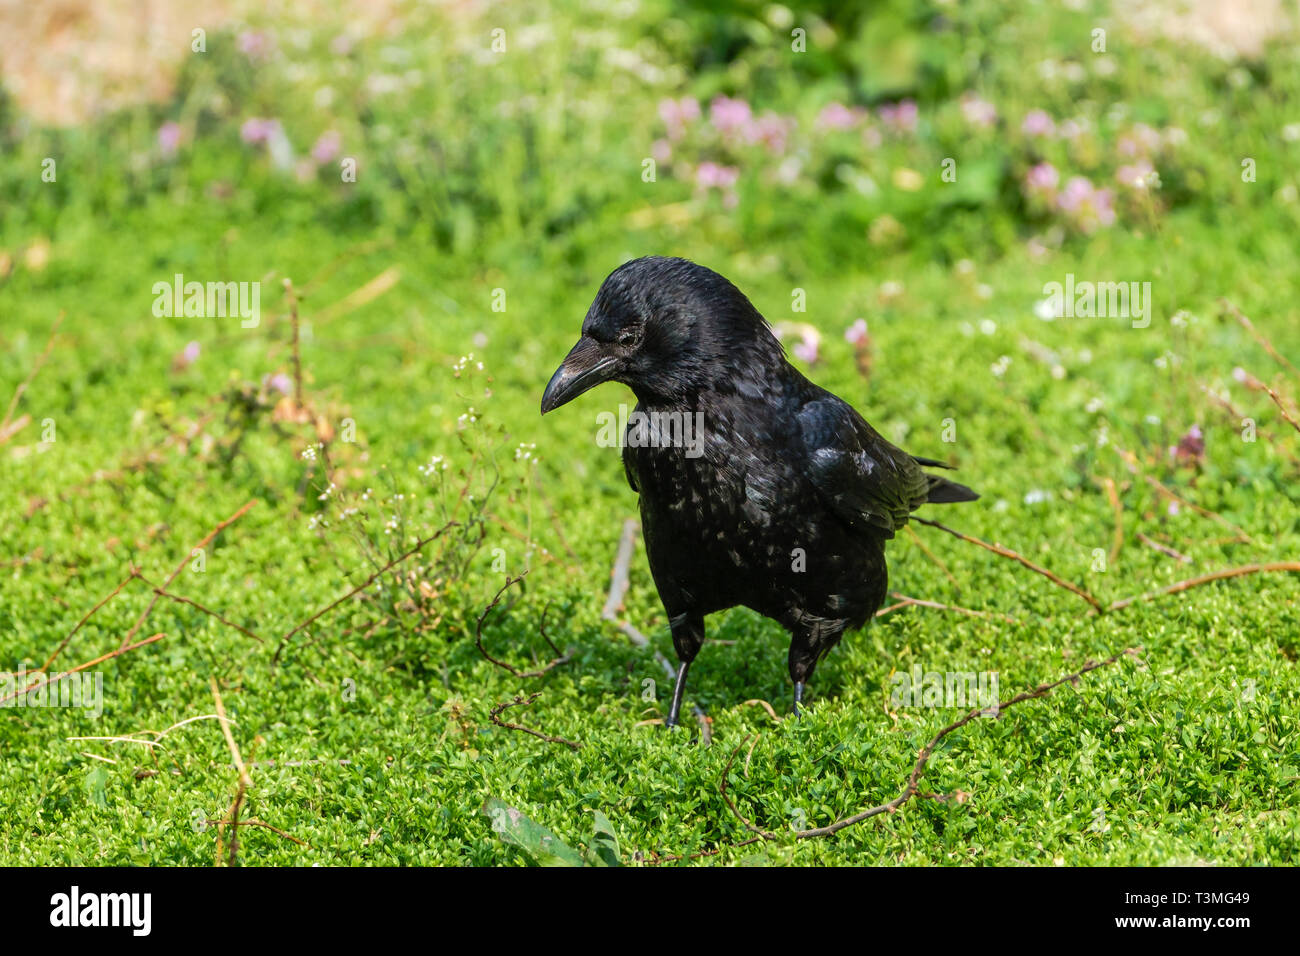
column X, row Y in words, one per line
column 327, row 146
column 677, row 114
column 977, row 110
column 900, row 116
column 169, row 138
column 1135, row 175
column 1041, row 179
column 1037, row 123
column 258, row 130
column 837, row 116
column 728, row 115
column 254, row 44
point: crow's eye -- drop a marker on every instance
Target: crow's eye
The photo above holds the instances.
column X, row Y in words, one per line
column 626, row 337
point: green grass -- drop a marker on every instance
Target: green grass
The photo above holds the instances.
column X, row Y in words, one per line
column 373, row 744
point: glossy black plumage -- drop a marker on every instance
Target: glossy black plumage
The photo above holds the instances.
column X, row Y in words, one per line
column 757, row 487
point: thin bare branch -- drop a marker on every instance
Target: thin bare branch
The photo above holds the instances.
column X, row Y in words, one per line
column 415, row 549
column 1008, row 553
column 910, row 788
column 221, row 526
column 1258, row 337
column 1293, row 566
column 478, row 636
column 81, row 667
column 1164, row 548
column 135, row 573
column 5, row 431
column 495, row 717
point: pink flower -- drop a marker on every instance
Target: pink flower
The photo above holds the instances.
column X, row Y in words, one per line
column 977, row 110
column 1072, row 129
column 1141, row 140
column 254, row 44
column 728, row 115
column 677, row 114
column 1086, row 206
column 856, row 334
column 1041, row 179
column 185, row 357
column 770, row 130
column 258, row 130
column 710, row 174
column 327, row 146
column 1037, row 123
column 169, row 138
column 661, row 150
column 837, row 116
column 278, row 382
column 1190, row 449
column 1134, row 176
column 808, row 346
column 900, row 116
column 1076, row 193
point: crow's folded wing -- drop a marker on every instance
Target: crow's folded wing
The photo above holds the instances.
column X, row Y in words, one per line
column 866, row 481
column 627, row 470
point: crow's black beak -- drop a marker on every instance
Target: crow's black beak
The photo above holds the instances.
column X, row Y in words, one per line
column 584, row 367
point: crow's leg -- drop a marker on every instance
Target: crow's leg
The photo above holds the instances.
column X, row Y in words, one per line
column 674, row 711
column 688, row 638
column 810, row 638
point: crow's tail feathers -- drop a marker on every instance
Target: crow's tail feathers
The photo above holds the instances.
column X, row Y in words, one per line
column 931, row 463
column 943, row 491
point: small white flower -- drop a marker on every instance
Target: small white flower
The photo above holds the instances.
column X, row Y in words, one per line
column 1048, row 309
column 999, row 368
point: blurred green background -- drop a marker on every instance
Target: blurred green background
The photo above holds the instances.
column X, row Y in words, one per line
column 444, row 186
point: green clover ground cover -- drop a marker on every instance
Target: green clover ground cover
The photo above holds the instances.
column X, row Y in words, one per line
column 492, row 198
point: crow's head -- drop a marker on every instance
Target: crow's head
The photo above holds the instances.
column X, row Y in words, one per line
column 664, row 327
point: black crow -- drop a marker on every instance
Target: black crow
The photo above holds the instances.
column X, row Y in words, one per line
column 758, row 488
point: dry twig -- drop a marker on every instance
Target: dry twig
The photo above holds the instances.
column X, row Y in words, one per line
column 495, row 717
column 478, row 637
column 910, row 788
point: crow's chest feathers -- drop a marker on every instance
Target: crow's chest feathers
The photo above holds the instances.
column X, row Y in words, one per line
column 717, row 488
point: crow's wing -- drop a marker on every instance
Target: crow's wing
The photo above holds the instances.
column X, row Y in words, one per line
column 865, row 480
column 627, row 470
